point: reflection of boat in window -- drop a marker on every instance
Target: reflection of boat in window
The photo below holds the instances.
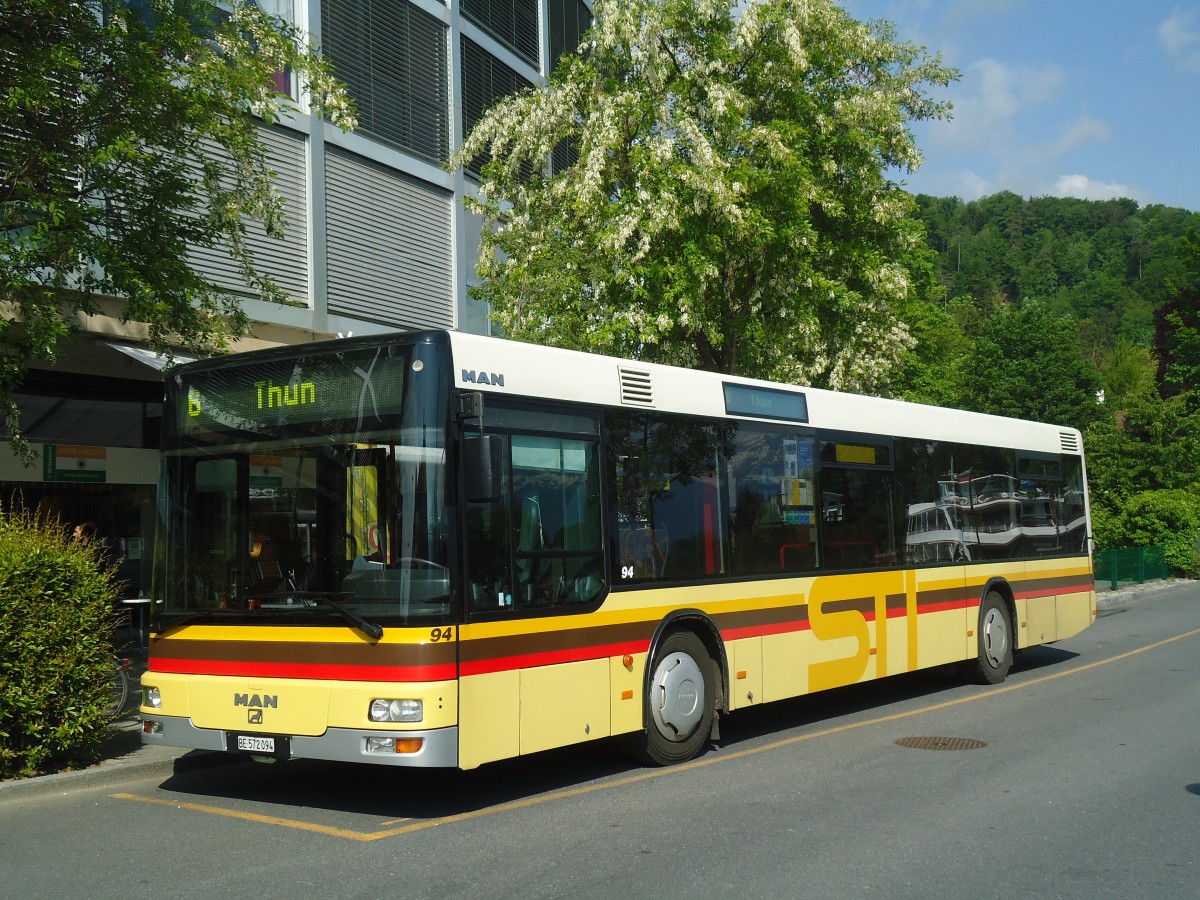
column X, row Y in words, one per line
column 935, row 534
column 991, row 516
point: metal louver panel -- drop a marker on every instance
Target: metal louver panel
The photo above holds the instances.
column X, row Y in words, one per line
column 388, row 245
column 1070, row 443
column 568, row 20
column 392, row 58
column 284, row 258
column 636, row 387
column 513, row 23
column 484, row 81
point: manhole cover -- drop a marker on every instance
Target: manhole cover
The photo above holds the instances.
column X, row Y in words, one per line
column 940, row 743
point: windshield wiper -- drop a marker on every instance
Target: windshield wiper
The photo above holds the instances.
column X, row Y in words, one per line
column 370, row 629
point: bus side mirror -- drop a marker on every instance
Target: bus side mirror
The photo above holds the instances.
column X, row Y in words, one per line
column 482, row 465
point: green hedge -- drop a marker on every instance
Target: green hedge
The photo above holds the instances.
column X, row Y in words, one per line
column 57, row 616
column 1170, row 518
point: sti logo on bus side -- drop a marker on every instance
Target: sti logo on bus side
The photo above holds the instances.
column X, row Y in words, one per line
column 472, row 377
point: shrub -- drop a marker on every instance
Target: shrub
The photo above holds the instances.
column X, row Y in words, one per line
column 1105, row 527
column 57, row 615
column 1170, row 518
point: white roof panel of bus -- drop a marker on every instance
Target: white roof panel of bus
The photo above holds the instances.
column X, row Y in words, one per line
column 499, row 366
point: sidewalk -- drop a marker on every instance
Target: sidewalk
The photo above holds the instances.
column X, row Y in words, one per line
column 125, row 757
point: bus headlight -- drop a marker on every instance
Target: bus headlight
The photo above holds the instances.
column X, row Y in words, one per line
column 151, row 698
column 397, row 711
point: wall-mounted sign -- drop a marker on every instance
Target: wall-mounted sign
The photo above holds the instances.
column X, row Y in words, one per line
column 74, row 463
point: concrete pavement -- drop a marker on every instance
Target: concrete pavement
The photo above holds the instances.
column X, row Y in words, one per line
column 124, row 756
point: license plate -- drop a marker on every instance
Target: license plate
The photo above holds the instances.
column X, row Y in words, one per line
column 277, row 746
column 256, row 744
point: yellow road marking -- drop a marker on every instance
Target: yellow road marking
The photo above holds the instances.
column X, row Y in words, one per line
column 248, row 816
column 639, row 777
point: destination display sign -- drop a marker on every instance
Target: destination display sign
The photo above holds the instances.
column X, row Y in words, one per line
column 361, row 387
column 765, row 403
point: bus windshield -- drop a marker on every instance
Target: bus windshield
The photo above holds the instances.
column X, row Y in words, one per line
column 300, row 488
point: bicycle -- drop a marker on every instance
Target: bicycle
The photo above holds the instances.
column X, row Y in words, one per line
column 118, row 687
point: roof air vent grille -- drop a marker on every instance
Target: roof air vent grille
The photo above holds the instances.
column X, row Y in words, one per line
column 636, row 388
column 1070, row 441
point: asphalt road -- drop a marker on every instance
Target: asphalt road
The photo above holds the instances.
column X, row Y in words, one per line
column 1083, row 781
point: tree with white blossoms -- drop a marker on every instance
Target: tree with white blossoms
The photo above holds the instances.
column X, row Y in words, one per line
column 129, row 136
column 729, row 207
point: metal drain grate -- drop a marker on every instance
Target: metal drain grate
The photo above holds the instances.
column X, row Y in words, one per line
column 940, row 743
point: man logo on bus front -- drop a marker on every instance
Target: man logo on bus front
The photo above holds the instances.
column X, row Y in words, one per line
column 254, row 717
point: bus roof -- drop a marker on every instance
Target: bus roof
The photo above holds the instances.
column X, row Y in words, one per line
column 499, row 366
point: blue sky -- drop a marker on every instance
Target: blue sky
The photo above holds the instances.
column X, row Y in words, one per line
column 1082, row 98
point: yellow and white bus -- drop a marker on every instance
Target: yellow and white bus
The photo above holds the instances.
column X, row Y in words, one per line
column 439, row 549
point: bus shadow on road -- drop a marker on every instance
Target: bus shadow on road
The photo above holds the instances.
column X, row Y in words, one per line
column 414, row 795
column 405, row 793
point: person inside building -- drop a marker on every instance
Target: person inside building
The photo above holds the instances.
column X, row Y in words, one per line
column 85, row 533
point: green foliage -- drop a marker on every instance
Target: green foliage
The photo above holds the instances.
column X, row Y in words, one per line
column 1026, row 363
column 1108, row 263
column 1155, row 447
column 1128, row 373
column 1170, row 518
column 57, row 600
column 932, row 370
column 130, row 137
column 1177, row 341
column 729, row 207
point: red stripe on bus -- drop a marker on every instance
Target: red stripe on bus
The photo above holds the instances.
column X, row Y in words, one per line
column 750, row 631
column 316, row 671
column 947, row 606
column 1054, row 591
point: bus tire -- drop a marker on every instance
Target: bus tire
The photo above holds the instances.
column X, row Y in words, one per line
column 679, row 701
column 995, row 641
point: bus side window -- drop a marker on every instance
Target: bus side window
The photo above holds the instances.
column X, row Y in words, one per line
column 856, row 527
column 773, row 503
column 539, row 545
column 859, row 524
column 557, row 552
column 666, row 493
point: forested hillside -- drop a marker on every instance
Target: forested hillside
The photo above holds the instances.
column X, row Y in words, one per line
column 1078, row 312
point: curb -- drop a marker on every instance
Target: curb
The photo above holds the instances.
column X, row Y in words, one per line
column 1125, row 596
column 126, row 758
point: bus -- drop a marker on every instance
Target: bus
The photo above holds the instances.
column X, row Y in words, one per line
column 438, row 549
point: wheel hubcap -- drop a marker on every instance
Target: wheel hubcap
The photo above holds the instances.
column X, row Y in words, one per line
column 995, row 638
column 677, row 696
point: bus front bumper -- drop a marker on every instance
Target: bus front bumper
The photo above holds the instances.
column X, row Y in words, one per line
column 438, row 748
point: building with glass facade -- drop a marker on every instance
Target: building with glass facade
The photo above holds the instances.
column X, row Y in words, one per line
column 377, row 238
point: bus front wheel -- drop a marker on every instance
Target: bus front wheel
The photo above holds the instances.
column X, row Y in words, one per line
column 995, row 641
column 679, row 702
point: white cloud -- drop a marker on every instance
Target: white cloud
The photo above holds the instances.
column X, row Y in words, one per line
column 992, row 96
column 962, row 183
column 1180, row 37
column 1084, row 130
column 1085, row 188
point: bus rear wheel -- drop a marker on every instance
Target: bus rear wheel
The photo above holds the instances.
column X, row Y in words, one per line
column 995, row 637
column 679, row 700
